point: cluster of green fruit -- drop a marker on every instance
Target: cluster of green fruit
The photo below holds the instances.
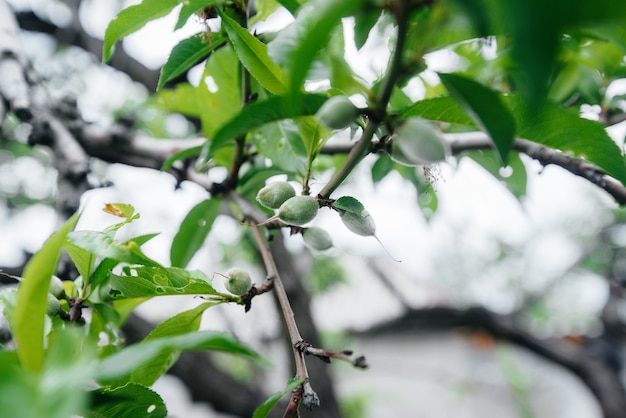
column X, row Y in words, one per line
column 56, row 291
column 300, row 210
column 296, row 211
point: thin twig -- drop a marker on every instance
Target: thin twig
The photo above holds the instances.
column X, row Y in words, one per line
column 292, row 327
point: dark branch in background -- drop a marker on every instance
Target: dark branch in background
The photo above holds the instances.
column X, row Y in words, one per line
column 602, row 380
column 75, row 34
column 206, row 382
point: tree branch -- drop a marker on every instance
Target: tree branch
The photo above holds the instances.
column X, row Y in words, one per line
column 603, row 381
column 546, row 156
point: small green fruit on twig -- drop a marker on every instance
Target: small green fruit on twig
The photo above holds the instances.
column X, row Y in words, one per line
column 52, row 305
column 417, row 142
column 298, row 211
column 56, row 287
column 238, row 281
column 338, row 112
column 357, row 219
column 275, row 194
column 317, row 238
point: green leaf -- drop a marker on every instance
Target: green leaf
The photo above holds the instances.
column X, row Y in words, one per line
column 513, row 176
column 159, row 281
column 382, row 167
column 103, row 245
column 188, row 53
column 297, row 45
column 364, row 21
column 30, row 307
column 19, row 389
column 129, row 401
column 193, row 231
column 264, row 409
column 443, row 109
column 121, row 210
column 219, row 93
column 182, row 323
column 82, row 259
column 282, row 144
column 101, row 273
column 349, row 204
column 253, row 55
column 313, row 135
column 184, row 98
column 132, row 19
column 57, row 391
column 259, row 113
column 486, row 110
column 565, row 130
column 122, row 363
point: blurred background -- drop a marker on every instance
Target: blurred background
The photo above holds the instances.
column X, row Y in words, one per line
column 503, row 304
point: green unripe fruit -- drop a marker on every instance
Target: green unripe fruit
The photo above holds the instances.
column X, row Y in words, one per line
column 298, row 210
column 238, row 281
column 317, row 238
column 275, row 194
column 52, row 305
column 56, row 287
column 418, row 142
column 359, row 223
column 338, row 112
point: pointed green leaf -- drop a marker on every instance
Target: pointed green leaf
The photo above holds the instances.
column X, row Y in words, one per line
column 349, row 204
column 514, row 178
column 182, row 323
column 259, row 113
column 122, row 363
column 486, row 110
column 158, row 281
column 132, row 19
column 103, row 245
column 264, row 409
column 129, row 401
column 283, row 145
column 297, row 45
column 30, row 307
column 188, row 53
column 82, row 259
column 219, row 93
column 253, row 55
column 443, row 109
column 184, row 98
column 193, row 231
column 565, row 130
column 364, row 21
